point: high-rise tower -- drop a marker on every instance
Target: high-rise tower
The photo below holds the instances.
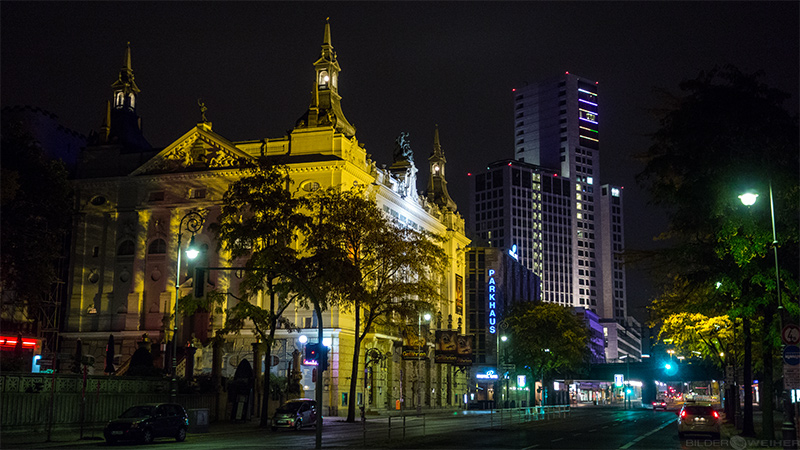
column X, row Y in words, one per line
column 556, row 125
column 547, row 202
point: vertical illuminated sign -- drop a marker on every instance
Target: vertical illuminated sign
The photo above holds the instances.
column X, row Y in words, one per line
column 492, row 289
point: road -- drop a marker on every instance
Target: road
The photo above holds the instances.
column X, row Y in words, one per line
column 583, row 428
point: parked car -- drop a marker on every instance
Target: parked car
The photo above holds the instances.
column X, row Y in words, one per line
column 659, row 404
column 147, row 422
column 700, row 419
column 297, row 413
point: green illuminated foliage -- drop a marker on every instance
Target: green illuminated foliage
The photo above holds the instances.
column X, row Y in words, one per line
column 548, row 339
column 728, row 133
column 385, row 270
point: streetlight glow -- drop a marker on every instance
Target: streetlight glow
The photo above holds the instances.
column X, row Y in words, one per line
column 192, row 250
column 748, row 198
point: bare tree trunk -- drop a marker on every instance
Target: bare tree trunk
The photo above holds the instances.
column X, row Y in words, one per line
column 748, row 428
column 351, row 406
column 767, row 385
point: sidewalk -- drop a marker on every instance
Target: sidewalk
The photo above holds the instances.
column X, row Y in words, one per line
column 733, row 436
column 66, row 438
column 72, row 437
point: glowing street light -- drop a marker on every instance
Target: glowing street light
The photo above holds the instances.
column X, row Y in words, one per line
column 192, row 222
column 748, row 198
column 427, row 318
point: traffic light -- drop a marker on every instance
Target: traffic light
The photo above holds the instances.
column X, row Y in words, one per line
column 199, row 282
column 670, row 368
column 312, row 355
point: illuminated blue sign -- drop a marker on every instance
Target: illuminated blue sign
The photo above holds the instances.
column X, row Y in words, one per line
column 491, row 289
column 489, row 375
column 513, row 252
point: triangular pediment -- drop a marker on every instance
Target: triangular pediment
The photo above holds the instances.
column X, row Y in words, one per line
column 197, row 150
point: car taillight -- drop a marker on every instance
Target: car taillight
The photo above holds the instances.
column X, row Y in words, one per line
column 716, row 414
column 683, row 414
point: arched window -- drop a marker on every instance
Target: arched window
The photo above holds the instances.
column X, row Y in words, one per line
column 125, row 248
column 157, row 247
column 323, row 79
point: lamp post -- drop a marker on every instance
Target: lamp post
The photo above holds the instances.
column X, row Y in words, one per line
column 192, row 222
column 501, row 370
column 427, row 318
column 787, row 428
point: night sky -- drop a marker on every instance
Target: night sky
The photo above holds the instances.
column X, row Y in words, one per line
column 405, row 67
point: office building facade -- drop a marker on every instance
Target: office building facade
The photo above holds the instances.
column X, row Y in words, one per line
column 548, row 202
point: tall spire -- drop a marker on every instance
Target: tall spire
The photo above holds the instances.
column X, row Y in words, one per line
column 437, row 184
column 125, row 88
column 105, row 129
column 127, row 63
column 121, row 125
column 326, row 38
column 325, row 109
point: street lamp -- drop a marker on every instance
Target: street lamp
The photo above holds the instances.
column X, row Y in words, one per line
column 192, row 222
column 749, row 199
column 501, row 370
column 788, row 427
column 427, row 318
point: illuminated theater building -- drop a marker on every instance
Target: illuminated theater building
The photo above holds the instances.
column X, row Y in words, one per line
column 131, row 200
column 496, row 280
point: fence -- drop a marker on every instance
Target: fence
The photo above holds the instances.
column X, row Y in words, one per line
column 40, row 403
column 415, row 425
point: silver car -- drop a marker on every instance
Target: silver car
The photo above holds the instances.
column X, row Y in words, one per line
column 295, row 414
column 700, row 419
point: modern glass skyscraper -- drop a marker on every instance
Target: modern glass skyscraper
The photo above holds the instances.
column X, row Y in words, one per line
column 547, row 203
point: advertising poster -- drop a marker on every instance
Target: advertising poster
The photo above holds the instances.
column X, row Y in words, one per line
column 446, row 346
column 464, row 350
column 414, row 345
column 459, row 294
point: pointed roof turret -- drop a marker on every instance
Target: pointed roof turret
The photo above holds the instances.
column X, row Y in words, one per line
column 326, row 38
column 121, row 125
column 326, row 109
column 105, row 129
column 437, row 184
column 125, row 82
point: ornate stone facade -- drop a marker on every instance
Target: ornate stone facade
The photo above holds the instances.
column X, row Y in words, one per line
column 125, row 244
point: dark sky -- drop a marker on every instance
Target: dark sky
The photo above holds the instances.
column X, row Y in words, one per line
column 405, row 67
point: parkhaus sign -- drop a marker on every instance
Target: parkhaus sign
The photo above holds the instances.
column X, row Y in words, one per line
column 491, row 289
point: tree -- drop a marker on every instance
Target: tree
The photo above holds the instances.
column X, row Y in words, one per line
column 727, row 133
column 387, row 270
column 548, row 339
column 35, row 216
column 258, row 222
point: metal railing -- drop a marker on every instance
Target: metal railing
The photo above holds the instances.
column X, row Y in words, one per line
column 418, row 425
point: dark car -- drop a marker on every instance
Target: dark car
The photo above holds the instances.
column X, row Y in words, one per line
column 659, row 404
column 147, row 422
column 297, row 413
column 698, row 419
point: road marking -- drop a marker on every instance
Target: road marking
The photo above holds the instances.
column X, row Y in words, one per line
column 556, row 440
column 592, row 430
column 532, row 446
column 631, row 443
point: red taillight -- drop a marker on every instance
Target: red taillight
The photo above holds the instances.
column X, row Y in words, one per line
column 683, row 413
column 716, row 414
